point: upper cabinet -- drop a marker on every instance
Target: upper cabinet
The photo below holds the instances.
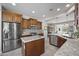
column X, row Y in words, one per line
column 17, row 18
column 11, row 17
column 6, row 16
column 36, row 23
column 27, row 23
column 39, row 24
column 33, row 21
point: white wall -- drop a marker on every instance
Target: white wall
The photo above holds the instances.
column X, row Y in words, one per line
column 0, row 30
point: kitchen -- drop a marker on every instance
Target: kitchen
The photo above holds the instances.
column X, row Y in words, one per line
column 26, row 33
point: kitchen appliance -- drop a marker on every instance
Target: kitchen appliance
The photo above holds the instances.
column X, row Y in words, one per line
column 53, row 40
column 10, row 36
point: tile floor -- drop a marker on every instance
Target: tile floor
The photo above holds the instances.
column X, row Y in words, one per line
column 49, row 51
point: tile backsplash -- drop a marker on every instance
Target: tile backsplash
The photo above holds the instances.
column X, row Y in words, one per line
column 29, row 31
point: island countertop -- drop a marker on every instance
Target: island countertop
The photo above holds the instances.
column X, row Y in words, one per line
column 31, row 38
column 69, row 48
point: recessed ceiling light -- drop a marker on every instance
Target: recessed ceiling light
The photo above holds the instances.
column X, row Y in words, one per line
column 67, row 5
column 58, row 9
column 44, row 15
column 33, row 11
column 14, row 4
column 50, row 9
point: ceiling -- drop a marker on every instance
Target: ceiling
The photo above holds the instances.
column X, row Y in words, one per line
column 48, row 9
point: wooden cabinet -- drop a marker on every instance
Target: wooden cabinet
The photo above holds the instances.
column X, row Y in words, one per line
column 33, row 48
column 17, row 18
column 23, row 24
column 27, row 23
column 11, row 17
column 60, row 41
column 39, row 24
column 6, row 16
column 56, row 40
column 33, row 21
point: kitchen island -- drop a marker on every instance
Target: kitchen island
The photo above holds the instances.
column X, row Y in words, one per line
column 69, row 48
column 32, row 45
column 56, row 40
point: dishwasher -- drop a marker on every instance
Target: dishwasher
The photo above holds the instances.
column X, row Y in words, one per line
column 53, row 40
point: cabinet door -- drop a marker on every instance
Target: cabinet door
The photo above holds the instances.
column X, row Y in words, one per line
column 29, row 49
column 29, row 24
column 60, row 41
column 17, row 18
column 4, row 16
column 22, row 24
column 39, row 44
column 7, row 17
column 33, row 21
column 35, row 48
column 39, row 24
column 11, row 17
column 25, row 24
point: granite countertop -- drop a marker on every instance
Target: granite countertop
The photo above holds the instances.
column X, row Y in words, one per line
column 31, row 38
column 69, row 48
column 60, row 35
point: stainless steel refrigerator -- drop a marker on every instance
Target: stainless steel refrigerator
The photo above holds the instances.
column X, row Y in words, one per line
column 10, row 36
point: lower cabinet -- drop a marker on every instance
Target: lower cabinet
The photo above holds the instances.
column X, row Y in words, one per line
column 33, row 48
column 60, row 41
column 56, row 40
